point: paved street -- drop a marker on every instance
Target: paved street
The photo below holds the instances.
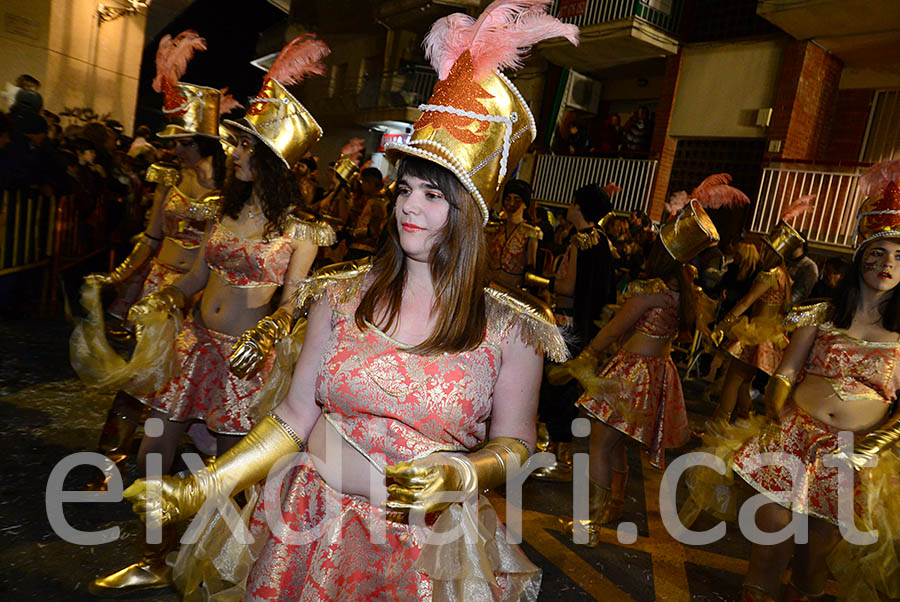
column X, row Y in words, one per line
column 47, row 414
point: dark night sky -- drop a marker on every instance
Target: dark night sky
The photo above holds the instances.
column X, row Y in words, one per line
column 232, row 29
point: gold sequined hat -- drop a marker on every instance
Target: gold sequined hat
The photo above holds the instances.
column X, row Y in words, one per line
column 277, row 118
column 689, row 233
column 784, row 240
column 476, row 123
column 879, row 214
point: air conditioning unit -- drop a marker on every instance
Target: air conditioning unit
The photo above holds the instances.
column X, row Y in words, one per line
column 583, row 93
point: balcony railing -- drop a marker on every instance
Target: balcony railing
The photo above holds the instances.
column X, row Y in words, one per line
column 832, row 220
column 407, row 87
column 557, row 177
column 664, row 14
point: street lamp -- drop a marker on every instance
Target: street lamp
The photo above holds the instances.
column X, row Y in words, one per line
column 110, row 13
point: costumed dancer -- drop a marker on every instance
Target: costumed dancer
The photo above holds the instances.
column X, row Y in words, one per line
column 582, row 286
column 513, row 242
column 223, row 350
column 637, row 393
column 757, row 342
column 405, row 364
column 838, row 374
column 170, row 244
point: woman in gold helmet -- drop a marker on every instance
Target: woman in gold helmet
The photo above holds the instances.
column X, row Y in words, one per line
column 839, row 374
column 405, row 362
column 253, row 247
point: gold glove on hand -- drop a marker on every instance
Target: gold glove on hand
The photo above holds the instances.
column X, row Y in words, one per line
column 173, row 499
column 426, row 485
column 165, row 300
column 778, row 391
column 254, row 345
column 138, row 257
column 722, row 329
column 873, row 444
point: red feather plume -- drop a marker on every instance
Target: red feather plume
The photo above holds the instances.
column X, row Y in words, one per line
column 611, row 189
column 873, row 182
column 228, row 103
column 173, row 56
column 499, row 39
column 716, row 179
column 677, row 202
column 798, row 207
column 301, row 57
column 714, row 192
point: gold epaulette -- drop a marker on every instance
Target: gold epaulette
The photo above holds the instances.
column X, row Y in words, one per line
column 492, row 226
column 534, row 232
column 767, row 277
column 344, row 278
column 653, row 286
column 206, row 208
column 537, row 327
column 587, row 239
column 808, row 315
column 318, row 232
column 163, row 174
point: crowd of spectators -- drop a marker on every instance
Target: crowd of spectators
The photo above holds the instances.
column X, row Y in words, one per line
column 604, row 135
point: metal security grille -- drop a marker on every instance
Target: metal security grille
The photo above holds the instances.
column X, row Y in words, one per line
column 664, row 14
column 882, row 139
column 557, row 177
column 833, row 218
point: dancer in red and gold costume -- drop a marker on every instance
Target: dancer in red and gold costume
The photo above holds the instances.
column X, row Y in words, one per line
column 513, row 242
column 169, row 246
column 839, row 373
column 637, row 393
column 408, row 367
column 223, row 352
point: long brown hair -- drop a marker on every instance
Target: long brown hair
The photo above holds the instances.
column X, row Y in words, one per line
column 847, row 295
column 661, row 264
column 458, row 262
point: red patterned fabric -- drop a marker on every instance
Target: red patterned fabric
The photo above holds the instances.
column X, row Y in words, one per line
column 129, row 292
column 765, row 355
column 509, row 254
column 179, row 224
column 242, row 262
column 205, row 388
column 816, row 490
column 650, row 408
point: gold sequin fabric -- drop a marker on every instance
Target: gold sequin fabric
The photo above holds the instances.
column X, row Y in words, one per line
column 815, row 491
column 205, row 388
column 179, row 222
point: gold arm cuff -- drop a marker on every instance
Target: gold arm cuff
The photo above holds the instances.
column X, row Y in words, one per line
column 778, row 391
column 491, row 462
column 532, row 279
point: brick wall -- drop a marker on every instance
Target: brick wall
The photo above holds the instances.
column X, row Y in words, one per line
column 805, row 102
column 661, row 142
column 849, row 125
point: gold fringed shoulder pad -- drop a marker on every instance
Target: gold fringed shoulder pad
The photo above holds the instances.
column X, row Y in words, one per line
column 587, row 239
column 163, row 174
column 653, row 286
column 534, row 232
column 492, row 227
column 508, row 308
column 207, row 208
column 767, row 277
column 317, row 232
column 343, row 280
column 809, row 315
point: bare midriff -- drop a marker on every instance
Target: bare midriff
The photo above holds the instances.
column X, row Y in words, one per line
column 233, row 309
column 816, row 396
column 173, row 254
column 346, row 469
column 642, row 343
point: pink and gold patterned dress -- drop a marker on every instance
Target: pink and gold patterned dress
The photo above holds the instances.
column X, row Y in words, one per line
column 760, row 341
column 205, row 388
column 184, row 221
column 649, row 406
column 391, row 406
column 856, row 369
column 508, row 254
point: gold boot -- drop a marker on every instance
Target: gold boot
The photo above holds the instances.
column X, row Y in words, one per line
column 560, row 472
column 754, row 593
column 598, row 500
column 150, row 572
column 617, row 498
column 117, row 435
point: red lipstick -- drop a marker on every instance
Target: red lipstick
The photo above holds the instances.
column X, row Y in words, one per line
column 411, row 227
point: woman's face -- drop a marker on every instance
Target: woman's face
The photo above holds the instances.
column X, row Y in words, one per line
column 513, row 203
column 421, row 212
column 881, row 265
column 240, row 158
column 188, row 151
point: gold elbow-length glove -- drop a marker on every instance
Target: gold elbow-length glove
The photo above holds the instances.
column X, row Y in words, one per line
column 426, row 485
column 139, row 255
column 875, row 443
column 174, row 499
column 254, row 345
column 722, row 328
column 778, row 391
column 165, row 300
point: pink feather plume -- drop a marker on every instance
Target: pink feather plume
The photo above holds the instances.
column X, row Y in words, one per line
column 722, row 196
column 677, row 202
column 301, row 57
column 611, row 189
column 353, row 149
column 499, row 39
column 873, row 182
column 798, row 207
column 173, row 56
column 228, row 103
column 716, row 179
